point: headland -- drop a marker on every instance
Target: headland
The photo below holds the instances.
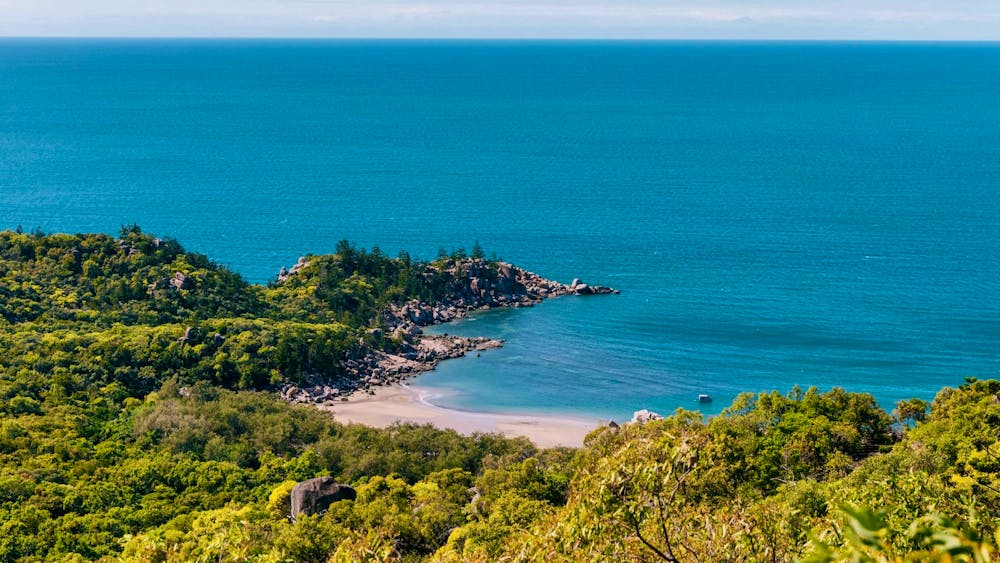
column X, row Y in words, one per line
column 371, row 389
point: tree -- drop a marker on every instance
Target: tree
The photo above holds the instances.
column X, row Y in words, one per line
column 910, row 411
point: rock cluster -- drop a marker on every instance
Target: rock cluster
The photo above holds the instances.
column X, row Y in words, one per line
column 375, row 367
column 181, row 281
column 308, row 394
column 477, row 285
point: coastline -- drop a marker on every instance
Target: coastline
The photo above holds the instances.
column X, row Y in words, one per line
column 384, row 405
column 372, row 389
column 397, row 349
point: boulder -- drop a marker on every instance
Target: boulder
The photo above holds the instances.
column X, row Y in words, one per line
column 181, row 281
column 644, row 416
column 316, row 495
column 192, row 336
column 415, row 314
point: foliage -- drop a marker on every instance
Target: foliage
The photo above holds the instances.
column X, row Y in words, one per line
column 136, row 423
column 92, row 309
column 354, row 286
column 936, row 538
column 102, row 280
column 768, row 439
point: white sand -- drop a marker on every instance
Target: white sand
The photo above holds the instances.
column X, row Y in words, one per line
column 405, row 403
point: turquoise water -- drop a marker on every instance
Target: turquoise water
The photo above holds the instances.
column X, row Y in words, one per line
column 773, row 213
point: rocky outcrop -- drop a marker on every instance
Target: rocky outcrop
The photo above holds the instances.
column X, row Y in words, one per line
column 316, row 495
column 473, row 284
column 286, row 273
column 478, row 284
column 181, row 281
column 376, row 367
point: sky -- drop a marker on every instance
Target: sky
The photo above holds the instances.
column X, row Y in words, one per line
column 624, row 19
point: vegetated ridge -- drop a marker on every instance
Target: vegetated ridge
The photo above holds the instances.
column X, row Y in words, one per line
column 324, row 328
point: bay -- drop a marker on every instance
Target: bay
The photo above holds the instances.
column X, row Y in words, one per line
column 774, row 214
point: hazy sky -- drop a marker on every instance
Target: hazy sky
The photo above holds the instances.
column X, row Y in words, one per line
column 777, row 19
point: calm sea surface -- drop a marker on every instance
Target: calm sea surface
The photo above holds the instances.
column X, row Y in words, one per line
column 775, row 214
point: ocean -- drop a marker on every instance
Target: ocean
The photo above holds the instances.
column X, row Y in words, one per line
column 774, row 213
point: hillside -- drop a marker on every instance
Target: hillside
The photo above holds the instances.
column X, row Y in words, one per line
column 139, row 421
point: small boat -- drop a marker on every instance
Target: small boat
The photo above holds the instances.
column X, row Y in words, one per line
column 704, row 398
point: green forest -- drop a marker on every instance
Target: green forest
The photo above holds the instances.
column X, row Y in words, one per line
column 139, row 422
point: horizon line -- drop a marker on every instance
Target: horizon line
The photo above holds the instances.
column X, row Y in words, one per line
column 511, row 39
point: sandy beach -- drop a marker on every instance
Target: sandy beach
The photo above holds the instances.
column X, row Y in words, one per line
column 400, row 402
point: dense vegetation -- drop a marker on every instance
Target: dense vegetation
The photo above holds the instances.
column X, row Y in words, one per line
column 94, row 310
column 123, row 434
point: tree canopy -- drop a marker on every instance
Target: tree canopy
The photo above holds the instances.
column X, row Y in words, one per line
column 136, row 423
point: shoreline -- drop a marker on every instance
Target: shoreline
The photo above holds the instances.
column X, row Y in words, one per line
column 372, row 389
column 475, row 285
column 387, row 404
